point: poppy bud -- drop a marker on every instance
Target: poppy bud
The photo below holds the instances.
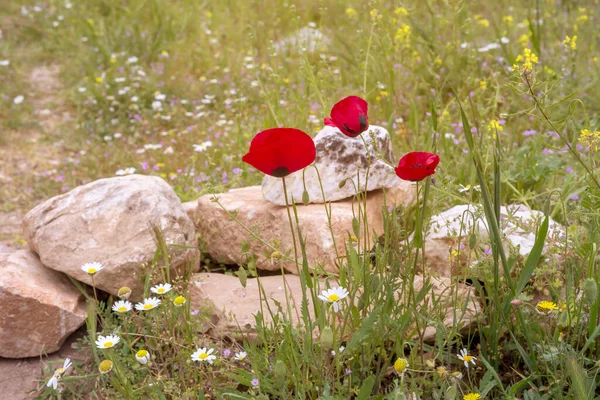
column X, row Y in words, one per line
column 242, row 276
column 305, row 198
column 326, row 338
column 280, row 370
column 124, row 293
column 590, row 290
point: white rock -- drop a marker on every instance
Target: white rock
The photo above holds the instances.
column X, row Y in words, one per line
column 305, row 39
column 518, row 226
column 110, row 221
column 340, row 157
column 39, row 307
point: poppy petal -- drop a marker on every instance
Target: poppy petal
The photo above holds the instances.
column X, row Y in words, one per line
column 416, row 166
column 350, row 115
column 281, row 151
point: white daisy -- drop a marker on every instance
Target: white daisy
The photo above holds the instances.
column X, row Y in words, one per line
column 241, row 355
column 466, row 358
column 58, row 374
column 106, row 342
column 147, row 304
column 204, row 354
column 142, row 356
column 203, row 146
column 91, row 268
column 126, row 171
column 122, row 306
column 19, row 99
column 162, row 288
column 333, row 296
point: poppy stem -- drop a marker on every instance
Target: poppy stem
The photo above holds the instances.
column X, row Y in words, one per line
column 287, row 207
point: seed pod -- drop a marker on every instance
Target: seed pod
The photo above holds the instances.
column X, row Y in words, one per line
column 305, row 198
column 590, row 290
column 243, row 276
column 326, row 338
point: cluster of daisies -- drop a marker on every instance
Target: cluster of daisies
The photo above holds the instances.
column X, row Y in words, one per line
column 149, row 303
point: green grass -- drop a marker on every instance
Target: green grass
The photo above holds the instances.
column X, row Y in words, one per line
column 224, row 80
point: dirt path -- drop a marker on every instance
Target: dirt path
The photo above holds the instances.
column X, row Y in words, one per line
column 27, row 155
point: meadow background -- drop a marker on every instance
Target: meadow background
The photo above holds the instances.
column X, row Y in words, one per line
column 98, row 88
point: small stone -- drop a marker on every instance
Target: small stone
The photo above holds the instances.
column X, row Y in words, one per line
column 39, row 307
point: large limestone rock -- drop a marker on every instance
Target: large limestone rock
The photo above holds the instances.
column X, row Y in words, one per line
column 110, row 221
column 39, row 307
column 518, row 225
column 223, row 237
column 234, row 307
column 307, row 39
column 340, row 157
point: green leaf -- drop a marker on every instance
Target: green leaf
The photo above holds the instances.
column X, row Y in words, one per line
column 366, row 388
column 363, row 333
column 534, row 256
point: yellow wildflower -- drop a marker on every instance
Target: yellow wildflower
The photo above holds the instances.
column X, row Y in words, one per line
column 401, row 365
column 528, row 59
column 401, row 11
column 589, row 139
column 571, row 42
column 494, row 125
column 484, row 22
column 483, row 84
column 524, row 40
column 508, row 20
column 403, row 34
column 99, row 79
column 208, row 14
column 546, row 306
column 472, row 396
column 351, row 12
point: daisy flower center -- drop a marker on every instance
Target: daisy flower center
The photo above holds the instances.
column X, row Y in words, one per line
column 147, row 306
column 333, row 297
column 179, row 300
column 203, row 356
column 108, row 344
column 142, row 353
column 161, row 290
column 467, row 358
column 91, row 270
column 122, row 309
column 60, row 370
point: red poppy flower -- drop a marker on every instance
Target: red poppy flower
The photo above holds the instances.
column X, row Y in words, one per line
column 280, row 151
column 417, row 166
column 350, row 116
